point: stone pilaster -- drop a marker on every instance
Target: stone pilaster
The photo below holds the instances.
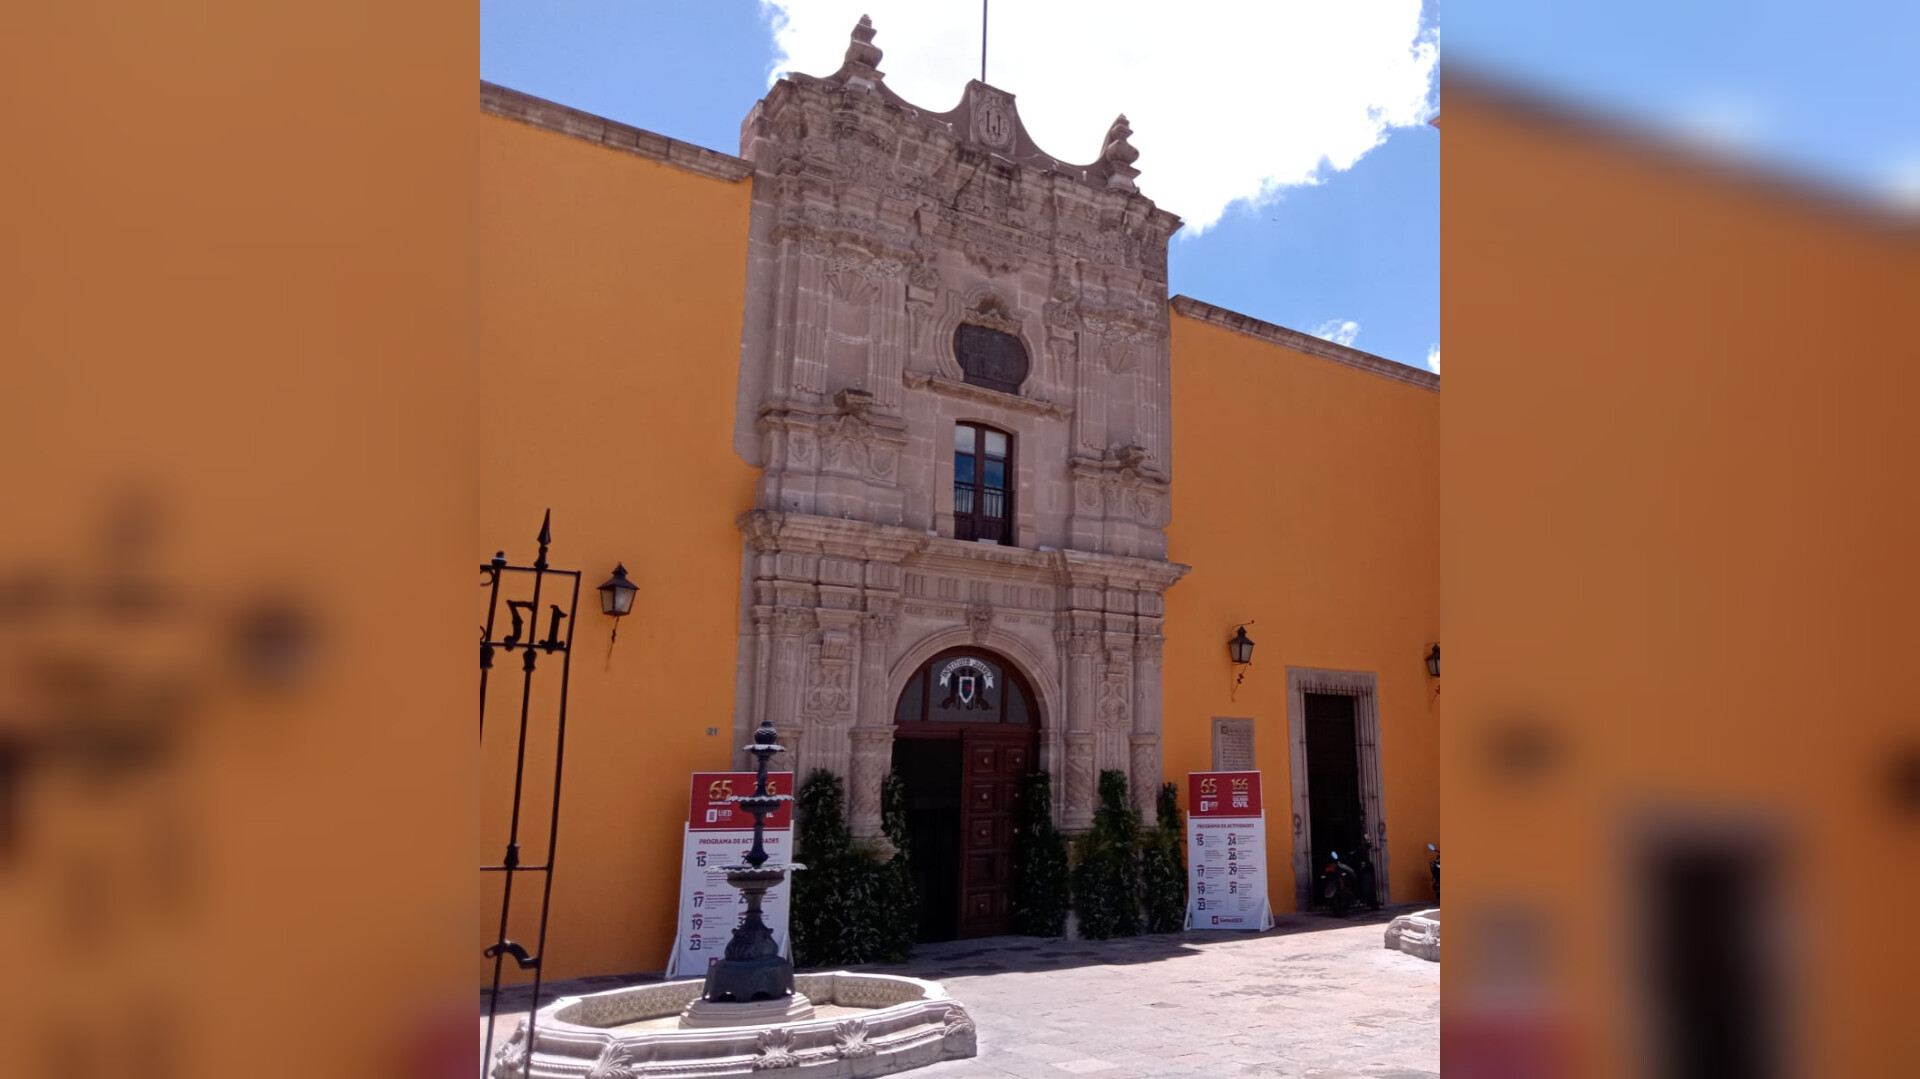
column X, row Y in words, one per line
column 811, row 302
column 1144, row 773
column 1082, row 793
column 1081, row 737
column 889, row 349
column 790, row 627
column 873, row 730
column 872, row 756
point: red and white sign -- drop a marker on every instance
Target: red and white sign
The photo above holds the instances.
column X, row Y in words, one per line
column 709, row 809
column 719, row 834
column 1226, row 852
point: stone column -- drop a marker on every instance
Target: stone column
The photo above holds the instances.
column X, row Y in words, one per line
column 1144, row 771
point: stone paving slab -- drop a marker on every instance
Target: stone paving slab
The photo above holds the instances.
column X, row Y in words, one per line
column 1314, row 997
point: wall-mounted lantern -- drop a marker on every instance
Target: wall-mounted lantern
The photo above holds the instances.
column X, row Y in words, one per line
column 1240, row 651
column 616, row 597
column 1433, row 661
column 1240, row 648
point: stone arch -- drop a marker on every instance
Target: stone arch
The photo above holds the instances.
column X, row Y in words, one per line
column 1003, row 314
column 1040, row 677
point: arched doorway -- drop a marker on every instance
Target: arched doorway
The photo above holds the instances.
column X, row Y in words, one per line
column 966, row 731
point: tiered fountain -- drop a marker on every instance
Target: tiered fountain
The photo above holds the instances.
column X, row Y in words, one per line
column 753, row 1012
column 752, row 984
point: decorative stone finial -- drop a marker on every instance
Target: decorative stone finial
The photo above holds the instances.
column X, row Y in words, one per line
column 863, row 56
column 1118, row 155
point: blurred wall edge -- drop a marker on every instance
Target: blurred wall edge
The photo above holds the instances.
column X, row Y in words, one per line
column 238, row 561
column 1678, row 531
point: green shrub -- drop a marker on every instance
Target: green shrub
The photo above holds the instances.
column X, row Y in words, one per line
column 1106, row 880
column 1163, row 865
column 847, row 906
column 897, row 928
column 1041, row 889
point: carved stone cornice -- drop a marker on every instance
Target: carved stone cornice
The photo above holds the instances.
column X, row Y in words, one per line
column 1087, row 568
column 1082, row 568
column 830, row 232
column 771, row 530
column 980, row 395
column 1125, row 463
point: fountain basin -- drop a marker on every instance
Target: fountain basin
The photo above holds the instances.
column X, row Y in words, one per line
column 863, row 1025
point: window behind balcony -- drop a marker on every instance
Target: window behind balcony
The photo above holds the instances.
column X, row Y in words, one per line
column 982, row 484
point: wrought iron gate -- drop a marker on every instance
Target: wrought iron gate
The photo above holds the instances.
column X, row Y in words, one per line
column 532, row 582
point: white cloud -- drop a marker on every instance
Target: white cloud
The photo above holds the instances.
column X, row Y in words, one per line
column 1903, row 185
column 1433, row 358
column 1234, row 99
column 1339, row 331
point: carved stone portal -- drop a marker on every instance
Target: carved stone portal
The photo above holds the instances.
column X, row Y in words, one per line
column 907, row 271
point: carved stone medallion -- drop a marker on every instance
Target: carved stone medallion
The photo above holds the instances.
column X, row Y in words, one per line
column 993, row 120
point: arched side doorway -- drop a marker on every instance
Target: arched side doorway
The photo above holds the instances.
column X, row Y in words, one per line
column 966, row 732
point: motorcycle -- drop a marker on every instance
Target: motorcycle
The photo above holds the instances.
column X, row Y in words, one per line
column 1339, row 883
column 1435, row 868
column 1364, row 883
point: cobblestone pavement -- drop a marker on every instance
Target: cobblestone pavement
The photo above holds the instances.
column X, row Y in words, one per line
column 1314, row 997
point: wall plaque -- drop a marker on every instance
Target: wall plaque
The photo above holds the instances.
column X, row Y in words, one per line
column 1233, row 745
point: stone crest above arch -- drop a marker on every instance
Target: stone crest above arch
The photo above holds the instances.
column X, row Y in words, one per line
column 1039, row 676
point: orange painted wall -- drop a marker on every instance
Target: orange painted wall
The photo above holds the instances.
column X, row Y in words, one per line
column 1305, row 497
column 1678, row 535
column 611, row 291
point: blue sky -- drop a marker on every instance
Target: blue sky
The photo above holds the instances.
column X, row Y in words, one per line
column 1828, row 92
column 1361, row 246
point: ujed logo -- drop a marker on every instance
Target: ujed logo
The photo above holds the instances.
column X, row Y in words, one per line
column 966, row 682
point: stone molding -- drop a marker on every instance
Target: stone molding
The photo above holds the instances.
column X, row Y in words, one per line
column 551, row 116
column 1247, row 325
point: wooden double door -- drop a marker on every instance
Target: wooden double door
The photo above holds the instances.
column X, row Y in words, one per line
column 965, row 738
column 963, row 790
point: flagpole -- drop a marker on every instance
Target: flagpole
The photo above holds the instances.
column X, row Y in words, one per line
column 983, row 40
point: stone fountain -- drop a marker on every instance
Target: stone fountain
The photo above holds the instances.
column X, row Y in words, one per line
column 753, row 1012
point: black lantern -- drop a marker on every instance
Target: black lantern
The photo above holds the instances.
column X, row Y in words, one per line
column 616, row 595
column 1433, row 661
column 1240, row 648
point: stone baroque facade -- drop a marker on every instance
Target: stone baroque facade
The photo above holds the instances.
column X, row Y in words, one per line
column 878, row 229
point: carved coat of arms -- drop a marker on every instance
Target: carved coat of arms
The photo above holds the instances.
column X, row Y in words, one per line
column 993, row 120
column 967, row 683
